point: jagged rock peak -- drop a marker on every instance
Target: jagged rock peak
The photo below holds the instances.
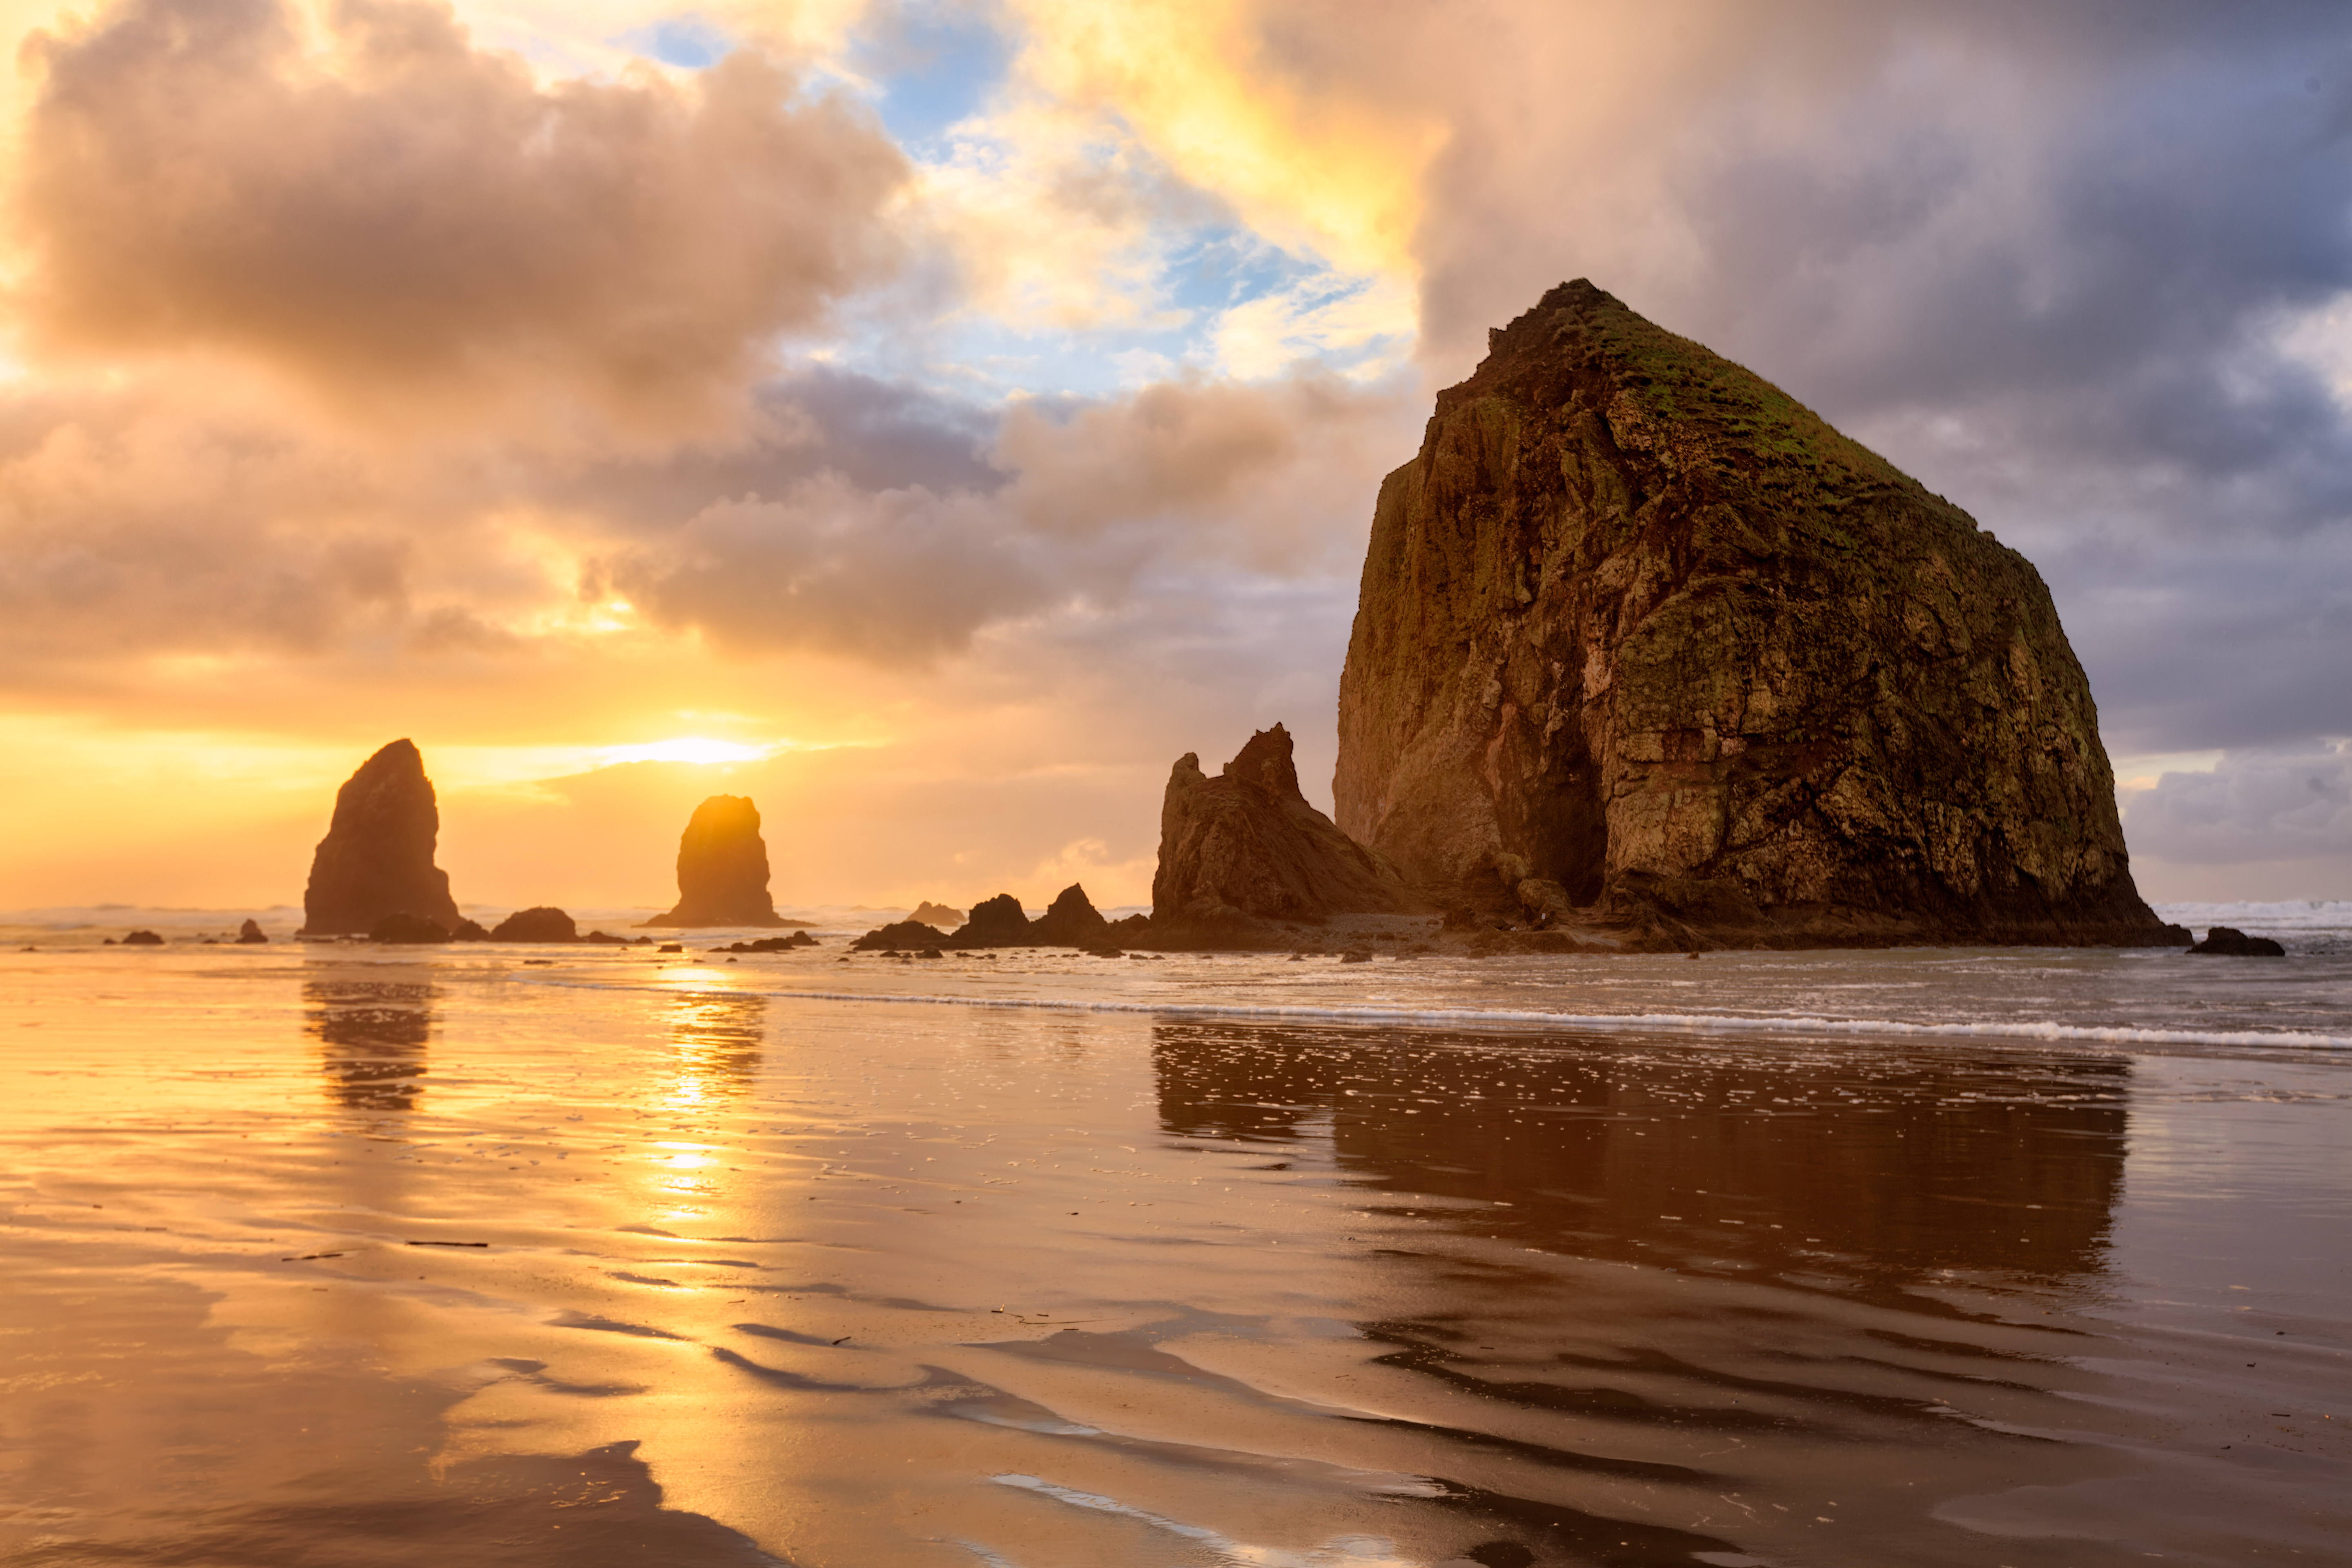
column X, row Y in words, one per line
column 1246, row 843
column 1642, row 637
column 377, row 856
column 1265, row 760
column 722, row 868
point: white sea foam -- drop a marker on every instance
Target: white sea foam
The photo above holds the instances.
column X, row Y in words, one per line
column 1524, row 1018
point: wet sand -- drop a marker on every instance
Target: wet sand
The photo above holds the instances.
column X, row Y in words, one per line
column 322, row 1257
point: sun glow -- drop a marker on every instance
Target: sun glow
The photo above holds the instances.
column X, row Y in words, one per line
column 696, row 749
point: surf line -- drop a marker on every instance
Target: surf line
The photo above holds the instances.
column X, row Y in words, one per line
column 1698, row 1022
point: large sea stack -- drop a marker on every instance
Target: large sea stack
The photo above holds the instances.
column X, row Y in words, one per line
column 722, row 868
column 377, row 858
column 1642, row 641
column 1246, row 843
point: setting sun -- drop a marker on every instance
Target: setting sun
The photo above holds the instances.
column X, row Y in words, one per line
column 693, row 749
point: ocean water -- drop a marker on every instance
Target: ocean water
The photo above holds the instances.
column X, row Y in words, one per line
column 324, row 1254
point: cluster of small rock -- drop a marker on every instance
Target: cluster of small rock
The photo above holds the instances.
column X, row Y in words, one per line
column 1071, row 920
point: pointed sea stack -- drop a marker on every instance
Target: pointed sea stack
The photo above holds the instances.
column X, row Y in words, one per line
column 1072, row 921
column 1246, row 843
column 377, row 858
column 722, row 868
column 1643, row 642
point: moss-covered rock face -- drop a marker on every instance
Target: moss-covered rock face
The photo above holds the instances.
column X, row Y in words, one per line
column 1640, row 636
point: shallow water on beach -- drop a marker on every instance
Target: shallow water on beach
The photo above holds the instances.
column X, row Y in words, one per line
column 330, row 1254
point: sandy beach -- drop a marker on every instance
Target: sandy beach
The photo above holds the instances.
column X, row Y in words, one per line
column 325, row 1256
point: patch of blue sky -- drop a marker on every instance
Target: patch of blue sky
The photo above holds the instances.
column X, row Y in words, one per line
column 1201, row 276
column 1214, row 269
column 930, row 65
column 689, row 41
column 986, row 359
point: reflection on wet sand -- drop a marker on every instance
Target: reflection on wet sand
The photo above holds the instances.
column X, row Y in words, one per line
column 1914, row 1167
column 374, row 1032
column 945, row 1286
column 719, row 1037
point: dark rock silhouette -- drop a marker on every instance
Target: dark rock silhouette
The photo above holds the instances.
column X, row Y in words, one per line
column 2231, row 942
column 402, row 927
column 1072, row 921
column 377, row 856
column 1246, row 843
column 542, row 923
column 938, row 915
column 899, row 936
column 1642, row 640
column 250, row 933
column 995, row 923
column 142, row 938
column 606, row 939
column 722, row 868
column 772, row 944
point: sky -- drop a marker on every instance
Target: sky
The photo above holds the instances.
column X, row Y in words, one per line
column 931, row 420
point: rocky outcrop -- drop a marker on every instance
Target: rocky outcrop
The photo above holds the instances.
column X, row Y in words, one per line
column 770, row 943
column 939, row 915
column 1247, row 844
column 2230, row 942
column 543, row 922
column 1642, row 641
column 251, row 934
column 1070, row 921
column 996, row 922
column 722, row 868
column 377, row 856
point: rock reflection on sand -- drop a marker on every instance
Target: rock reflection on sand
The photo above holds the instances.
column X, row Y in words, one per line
column 374, row 1032
column 1902, row 1169
column 662, row 1267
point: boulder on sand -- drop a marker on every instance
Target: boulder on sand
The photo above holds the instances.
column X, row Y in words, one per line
column 2231, row 942
column 1247, row 843
column 722, row 868
column 543, row 922
column 377, row 856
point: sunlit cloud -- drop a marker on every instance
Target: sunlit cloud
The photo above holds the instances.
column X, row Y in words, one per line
column 936, row 418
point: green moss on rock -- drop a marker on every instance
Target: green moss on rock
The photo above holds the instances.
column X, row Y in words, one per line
column 1637, row 624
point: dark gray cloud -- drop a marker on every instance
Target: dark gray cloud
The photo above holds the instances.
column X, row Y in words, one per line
column 1083, row 506
column 2262, row 805
column 2048, row 259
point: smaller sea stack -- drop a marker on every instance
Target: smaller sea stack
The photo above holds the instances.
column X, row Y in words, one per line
column 1246, row 843
column 722, row 868
column 377, row 856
